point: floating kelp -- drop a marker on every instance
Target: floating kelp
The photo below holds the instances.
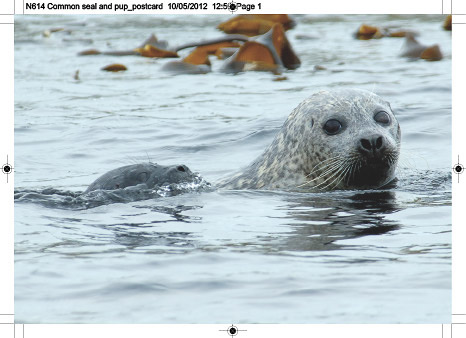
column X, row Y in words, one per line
column 366, row 32
column 198, row 56
column 225, row 53
column 151, row 51
column 415, row 50
column 253, row 51
column 255, row 56
column 280, row 78
column 400, row 33
column 197, row 62
column 447, row 23
column 221, row 47
column 283, row 19
column 215, row 49
column 115, row 67
column 318, row 68
column 432, row 53
column 159, row 48
column 283, row 47
column 255, row 24
column 153, row 41
column 90, row 52
column 269, row 52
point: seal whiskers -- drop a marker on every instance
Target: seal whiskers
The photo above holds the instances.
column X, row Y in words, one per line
column 337, row 174
column 340, row 173
column 322, row 172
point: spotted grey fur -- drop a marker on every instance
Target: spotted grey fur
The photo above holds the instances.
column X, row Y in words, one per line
column 303, row 155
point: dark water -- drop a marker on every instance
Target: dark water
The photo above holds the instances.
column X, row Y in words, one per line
column 197, row 255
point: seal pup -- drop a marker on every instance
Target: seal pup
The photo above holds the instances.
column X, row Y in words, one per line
column 144, row 175
column 339, row 139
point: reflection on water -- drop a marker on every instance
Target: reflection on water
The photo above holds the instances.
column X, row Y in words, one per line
column 321, row 220
column 316, row 220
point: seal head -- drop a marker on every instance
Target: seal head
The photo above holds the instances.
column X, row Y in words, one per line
column 339, row 139
column 145, row 175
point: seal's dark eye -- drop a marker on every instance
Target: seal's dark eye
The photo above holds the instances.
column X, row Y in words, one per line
column 382, row 117
column 332, row 127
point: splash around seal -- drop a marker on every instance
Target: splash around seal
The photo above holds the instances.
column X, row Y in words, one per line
column 339, row 139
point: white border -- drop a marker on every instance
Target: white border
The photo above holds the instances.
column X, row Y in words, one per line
column 290, row 6
column 458, row 148
column 6, row 190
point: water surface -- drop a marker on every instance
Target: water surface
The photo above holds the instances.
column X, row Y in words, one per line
column 222, row 256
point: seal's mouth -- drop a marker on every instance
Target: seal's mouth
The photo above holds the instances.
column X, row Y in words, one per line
column 353, row 171
column 371, row 174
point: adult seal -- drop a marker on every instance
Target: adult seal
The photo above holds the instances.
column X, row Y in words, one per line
column 339, row 139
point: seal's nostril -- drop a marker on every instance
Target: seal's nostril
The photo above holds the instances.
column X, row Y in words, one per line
column 366, row 144
column 373, row 144
column 379, row 143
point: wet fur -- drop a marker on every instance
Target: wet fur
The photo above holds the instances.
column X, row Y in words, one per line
column 302, row 155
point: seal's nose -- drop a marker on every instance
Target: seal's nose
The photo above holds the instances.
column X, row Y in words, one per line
column 373, row 145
